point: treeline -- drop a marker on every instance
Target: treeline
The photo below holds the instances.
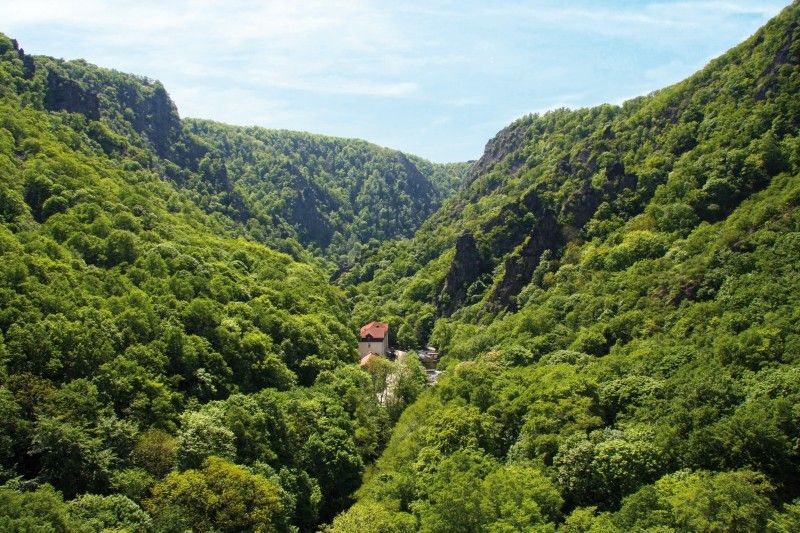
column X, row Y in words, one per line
column 616, row 296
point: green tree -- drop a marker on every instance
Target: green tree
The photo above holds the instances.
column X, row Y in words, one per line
column 454, row 499
column 203, row 434
column 108, row 513
column 607, row 465
column 701, row 501
column 220, row 496
column 517, row 497
column 371, row 517
column 40, row 510
column 156, row 451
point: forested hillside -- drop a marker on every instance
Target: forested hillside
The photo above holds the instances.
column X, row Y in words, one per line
column 158, row 371
column 322, row 199
column 614, row 290
column 616, row 294
column 334, row 196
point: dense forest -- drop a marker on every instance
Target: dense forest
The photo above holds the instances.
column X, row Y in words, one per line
column 321, row 199
column 160, row 369
column 337, row 197
column 614, row 292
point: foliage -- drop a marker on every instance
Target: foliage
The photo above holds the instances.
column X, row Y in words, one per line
column 614, row 291
column 39, row 510
column 615, row 296
column 141, row 332
column 221, row 497
column 338, row 197
column 104, row 513
column 700, row 501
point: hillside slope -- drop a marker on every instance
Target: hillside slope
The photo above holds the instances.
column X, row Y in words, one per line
column 547, row 184
column 157, row 370
column 616, row 293
column 335, row 196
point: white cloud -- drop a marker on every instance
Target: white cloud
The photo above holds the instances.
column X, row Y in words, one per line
column 288, row 44
column 654, row 21
column 387, row 70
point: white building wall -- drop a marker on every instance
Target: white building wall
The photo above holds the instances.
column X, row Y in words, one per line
column 378, row 347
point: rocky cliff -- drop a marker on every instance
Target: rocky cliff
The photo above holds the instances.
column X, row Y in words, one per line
column 506, row 142
column 128, row 104
column 467, row 266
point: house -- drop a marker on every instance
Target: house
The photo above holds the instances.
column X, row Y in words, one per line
column 374, row 338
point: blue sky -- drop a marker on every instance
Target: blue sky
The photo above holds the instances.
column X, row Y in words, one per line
column 434, row 78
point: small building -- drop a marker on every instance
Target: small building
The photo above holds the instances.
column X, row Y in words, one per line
column 374, row 338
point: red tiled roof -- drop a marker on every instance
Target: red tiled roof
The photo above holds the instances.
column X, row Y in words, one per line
column 376, row 330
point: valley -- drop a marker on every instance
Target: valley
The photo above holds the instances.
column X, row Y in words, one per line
column 596, row 323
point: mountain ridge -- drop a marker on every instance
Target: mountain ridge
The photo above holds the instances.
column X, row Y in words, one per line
column 139, row 108
column 527, row 197
column 148, row 345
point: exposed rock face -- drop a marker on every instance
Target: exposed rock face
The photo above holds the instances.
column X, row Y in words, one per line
column 63, row 94
column 156, row 117
column 514, row 222
column 507, row 141
column 580, row 206
column 143, row 104
column 532, row 202
column 784, row 56
column 129, row 104
column 581, row 164
column 548, row 231
column 27, row 61
column 467, row 266
column 546, row 235
column 529, row 203
column 163, row 124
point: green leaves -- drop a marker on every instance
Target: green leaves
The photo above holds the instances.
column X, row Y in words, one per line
column 203, row 434
column 220, row 496
column 333, row 196
column 516, row 497
column 642, row 375
column 101, row 513
column 607, row 465
column 700, row 501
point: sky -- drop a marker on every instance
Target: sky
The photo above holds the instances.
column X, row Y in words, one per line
column 434, row 78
